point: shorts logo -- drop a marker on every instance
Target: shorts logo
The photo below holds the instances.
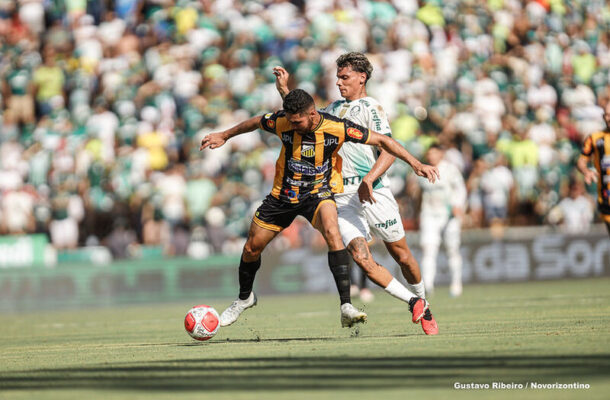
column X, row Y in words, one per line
column 386, row 224
column 354, row 133
column 308, row 151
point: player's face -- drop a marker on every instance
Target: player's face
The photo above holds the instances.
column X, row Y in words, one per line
column 303, row 122
column 434, row 156
column 350, row 82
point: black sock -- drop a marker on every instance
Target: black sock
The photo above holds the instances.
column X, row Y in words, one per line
column 247, row 272
column 338, row 262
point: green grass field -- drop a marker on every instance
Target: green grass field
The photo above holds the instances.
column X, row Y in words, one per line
column 293, row 348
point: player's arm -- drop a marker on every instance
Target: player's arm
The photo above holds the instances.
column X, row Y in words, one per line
column 281, row 80
column 217, row 139
column 394, row 148
column 583, row 166
column 583, row 161
column 365, row 190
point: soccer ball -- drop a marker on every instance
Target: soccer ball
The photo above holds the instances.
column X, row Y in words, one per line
column 201, row 322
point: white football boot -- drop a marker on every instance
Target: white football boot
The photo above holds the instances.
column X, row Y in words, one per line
column 233, row 312
column 350, row 315
column 455, row 290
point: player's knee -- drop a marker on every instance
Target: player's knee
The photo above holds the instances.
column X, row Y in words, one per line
column 406, row 259
column 251, row 250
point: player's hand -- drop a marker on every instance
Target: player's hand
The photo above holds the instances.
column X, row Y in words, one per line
column 427, row 171
column 213, row 140
column 365, row 192
column 281, row 80
column 590, row 176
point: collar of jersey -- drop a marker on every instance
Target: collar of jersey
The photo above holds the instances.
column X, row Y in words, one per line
column 319, row 124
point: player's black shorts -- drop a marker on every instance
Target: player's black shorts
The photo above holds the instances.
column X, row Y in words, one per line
column 276, row 215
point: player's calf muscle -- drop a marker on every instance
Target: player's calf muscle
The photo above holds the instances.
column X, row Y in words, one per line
column 362, row 256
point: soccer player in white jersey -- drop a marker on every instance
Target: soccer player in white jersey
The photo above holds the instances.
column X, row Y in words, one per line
column 442, row 208
column 367, row 204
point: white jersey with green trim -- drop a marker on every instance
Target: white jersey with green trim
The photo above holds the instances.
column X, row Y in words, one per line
column 358, row 159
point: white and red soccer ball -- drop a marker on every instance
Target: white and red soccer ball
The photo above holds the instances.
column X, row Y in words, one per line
column 202, row 322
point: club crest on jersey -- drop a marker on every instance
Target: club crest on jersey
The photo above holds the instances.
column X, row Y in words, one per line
column 354, row 133
column 308, row 151
column 271, row 123
column 354, row 111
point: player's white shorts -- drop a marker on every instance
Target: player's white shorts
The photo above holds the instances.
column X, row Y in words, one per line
column 431, row 227
column 382, row 218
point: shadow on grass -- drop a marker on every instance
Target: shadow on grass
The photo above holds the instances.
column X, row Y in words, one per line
column 312, row 373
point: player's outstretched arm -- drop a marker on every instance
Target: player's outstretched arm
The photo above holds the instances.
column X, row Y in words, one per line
column 281, row 80
column 583, row 166
column 393, row 147
column 217, row 139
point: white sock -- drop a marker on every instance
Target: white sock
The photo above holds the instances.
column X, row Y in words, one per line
column 397, row 290
column 418, row 289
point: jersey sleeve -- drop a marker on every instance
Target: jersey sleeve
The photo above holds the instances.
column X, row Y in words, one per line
column 587, row 146
column 268, row 121
column 355, row 133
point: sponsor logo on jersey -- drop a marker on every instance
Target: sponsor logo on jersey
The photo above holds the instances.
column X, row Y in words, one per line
column 291, row 194
column 386, row 224
column 324, row 195
column 271, row 123
column 286, row 138
column 268, row 115
column 308, row 150
column 605, row 162
column 305, row 168
column 331, row 141
column 354, row 133
column 293, row 182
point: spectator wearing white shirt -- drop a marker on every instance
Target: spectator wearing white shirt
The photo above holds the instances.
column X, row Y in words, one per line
column 573, row 214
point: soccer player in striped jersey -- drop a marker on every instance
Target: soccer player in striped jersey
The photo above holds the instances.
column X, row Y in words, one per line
column 365, row 181
column 304, row 181
column 596, row 149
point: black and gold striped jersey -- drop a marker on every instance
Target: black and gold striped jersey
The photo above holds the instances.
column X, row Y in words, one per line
column 308, row 163
column 597, row 148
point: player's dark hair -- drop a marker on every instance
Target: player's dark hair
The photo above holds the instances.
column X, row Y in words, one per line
column 357, row 61
column 297, row 101
column 436, row 146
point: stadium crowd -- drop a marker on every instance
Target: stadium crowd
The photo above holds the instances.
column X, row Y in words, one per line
column 104, row 104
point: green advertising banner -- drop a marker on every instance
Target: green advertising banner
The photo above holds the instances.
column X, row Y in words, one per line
column 86, row 284
column 22, row 251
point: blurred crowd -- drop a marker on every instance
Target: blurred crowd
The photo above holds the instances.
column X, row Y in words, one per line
column 104, row 103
